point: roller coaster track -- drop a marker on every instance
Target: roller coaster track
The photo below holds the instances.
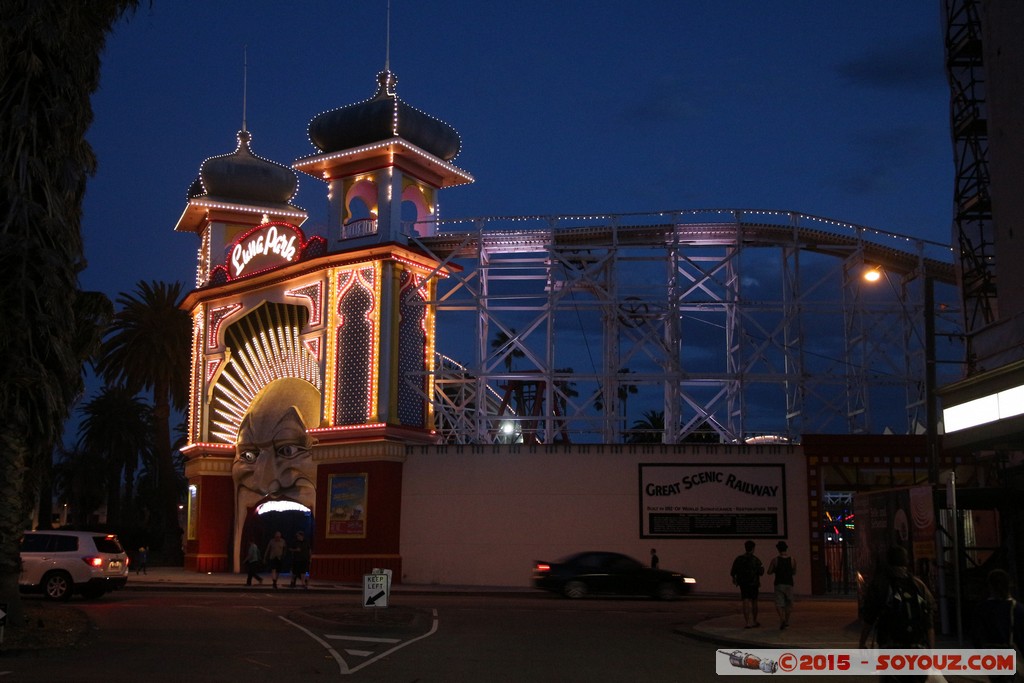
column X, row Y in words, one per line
column 772, row 334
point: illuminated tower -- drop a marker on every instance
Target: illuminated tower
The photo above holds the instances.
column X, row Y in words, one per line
column 313, row 354
column 384, row 162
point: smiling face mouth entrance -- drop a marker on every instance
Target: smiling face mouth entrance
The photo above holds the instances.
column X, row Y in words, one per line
column 270, row 516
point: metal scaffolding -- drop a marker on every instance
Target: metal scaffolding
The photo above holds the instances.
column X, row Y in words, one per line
column 973, row 229
column 717, row 325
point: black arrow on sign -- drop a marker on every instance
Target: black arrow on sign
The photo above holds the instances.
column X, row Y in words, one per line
column 374, row 598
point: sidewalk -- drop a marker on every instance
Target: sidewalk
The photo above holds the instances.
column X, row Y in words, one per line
column 176, row 578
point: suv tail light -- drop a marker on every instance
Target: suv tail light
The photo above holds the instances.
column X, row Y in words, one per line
column 541, row 567
column 93, row 561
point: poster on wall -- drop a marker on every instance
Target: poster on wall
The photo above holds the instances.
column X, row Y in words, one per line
column 346, row 513
column 712, row 500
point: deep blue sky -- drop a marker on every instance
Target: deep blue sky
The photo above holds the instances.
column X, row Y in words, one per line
column 834, row 109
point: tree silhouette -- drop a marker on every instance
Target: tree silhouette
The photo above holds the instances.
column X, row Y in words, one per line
column 648, row 429
column 50, row 51
column 81, row 483
column 116, row 431
column 501, row 341
column 623, row 392
column 148, row 349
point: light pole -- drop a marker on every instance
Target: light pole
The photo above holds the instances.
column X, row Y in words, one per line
column 931, row 411
column 932, row 432
column 932, row 428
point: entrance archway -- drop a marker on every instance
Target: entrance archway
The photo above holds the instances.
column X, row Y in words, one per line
column 269, row 517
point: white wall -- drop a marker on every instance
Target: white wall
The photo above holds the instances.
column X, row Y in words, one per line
column 481, row 515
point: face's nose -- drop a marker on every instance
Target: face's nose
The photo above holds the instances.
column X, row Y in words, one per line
column 265, row 473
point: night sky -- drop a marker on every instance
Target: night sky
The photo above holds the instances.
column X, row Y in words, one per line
column 832, row 109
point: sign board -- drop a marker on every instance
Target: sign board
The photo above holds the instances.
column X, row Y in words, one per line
column 264, row 247
column 377, row 588
column 712, row 500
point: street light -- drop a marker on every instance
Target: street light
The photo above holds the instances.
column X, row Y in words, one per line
column 874, row 274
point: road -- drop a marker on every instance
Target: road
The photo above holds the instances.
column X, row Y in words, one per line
column 265, row 635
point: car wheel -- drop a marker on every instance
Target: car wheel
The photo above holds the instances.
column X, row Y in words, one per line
column 57, row 586
column 667, row 591
column 575, row 589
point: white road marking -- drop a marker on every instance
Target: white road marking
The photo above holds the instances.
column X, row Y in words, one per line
column 365, row 639
column 360, row 653
column 342, row 666
column 382, row 655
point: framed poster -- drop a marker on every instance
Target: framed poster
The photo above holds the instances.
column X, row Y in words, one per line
column 346, row 507
column 712, row 500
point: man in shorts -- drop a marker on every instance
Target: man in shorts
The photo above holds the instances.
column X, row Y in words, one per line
column 783, row 567
column 746, row 572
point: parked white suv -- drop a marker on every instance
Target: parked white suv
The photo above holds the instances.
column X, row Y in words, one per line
column 59, row 563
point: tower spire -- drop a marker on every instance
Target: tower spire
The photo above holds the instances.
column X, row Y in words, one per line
column 387, row 41
column 245, row 80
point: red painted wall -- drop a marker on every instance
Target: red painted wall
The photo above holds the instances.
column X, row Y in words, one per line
column 347, row 559
column 210, row 552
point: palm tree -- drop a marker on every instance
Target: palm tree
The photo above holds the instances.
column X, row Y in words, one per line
column 501, row 341
column 623, row 392
column 50, row 51
column 147, row 348
column 93, row 312
column 117, row 430
column 648, row 429
column 80, row 481
column 563, row 391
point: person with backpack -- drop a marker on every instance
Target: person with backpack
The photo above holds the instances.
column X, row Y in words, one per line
column 746, row 572
column 899, row 608
column 783, row 567
column 998, row 622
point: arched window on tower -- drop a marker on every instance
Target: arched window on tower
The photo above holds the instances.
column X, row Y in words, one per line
column 418, row 217
column 360, row 210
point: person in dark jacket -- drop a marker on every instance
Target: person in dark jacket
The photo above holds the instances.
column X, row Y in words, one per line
column 881, row 610
column 300, row 559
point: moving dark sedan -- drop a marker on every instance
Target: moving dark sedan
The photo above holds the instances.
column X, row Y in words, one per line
column 599, row 572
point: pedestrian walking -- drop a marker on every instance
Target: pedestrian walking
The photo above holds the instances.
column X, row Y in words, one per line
column 142, row 560
column 300, row 559
column 273, row 556
column 654, row 558
column 899, row 609
column 747, row 570
column 783, row 568
column 252, row 563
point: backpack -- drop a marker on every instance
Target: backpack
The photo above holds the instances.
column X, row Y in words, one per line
column 906, row 616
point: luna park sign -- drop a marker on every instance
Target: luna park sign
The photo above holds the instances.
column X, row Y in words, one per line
column 265, row 247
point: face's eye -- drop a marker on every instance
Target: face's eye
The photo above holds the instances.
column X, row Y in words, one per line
column 290, row 450
column 249, row 455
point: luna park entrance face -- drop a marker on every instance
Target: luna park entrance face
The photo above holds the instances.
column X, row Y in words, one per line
column 264, row 520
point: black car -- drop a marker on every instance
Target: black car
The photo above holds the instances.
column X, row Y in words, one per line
column 599, row 572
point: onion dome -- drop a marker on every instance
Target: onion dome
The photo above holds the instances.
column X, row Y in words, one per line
column 380, row 118
column 244, row 177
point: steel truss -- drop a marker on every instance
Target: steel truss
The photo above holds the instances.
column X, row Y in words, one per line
column 973, row 228
column 721, row 325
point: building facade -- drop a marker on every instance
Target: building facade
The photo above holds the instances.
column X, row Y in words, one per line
column 302, row 345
